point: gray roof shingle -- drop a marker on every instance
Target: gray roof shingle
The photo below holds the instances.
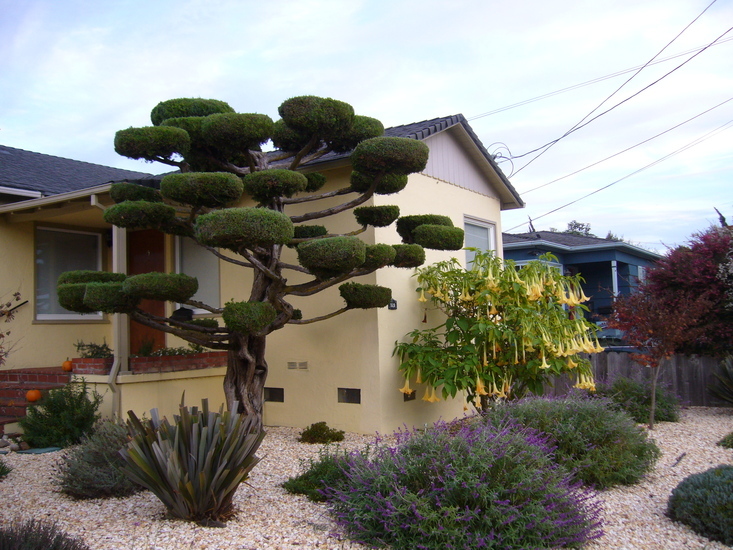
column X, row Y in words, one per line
column 50, row 175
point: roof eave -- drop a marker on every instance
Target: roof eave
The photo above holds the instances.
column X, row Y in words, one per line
column 584, row 248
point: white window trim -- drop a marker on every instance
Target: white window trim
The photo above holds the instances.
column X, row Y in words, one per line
column 71, row 316
column 480, row 222
column 196, row 311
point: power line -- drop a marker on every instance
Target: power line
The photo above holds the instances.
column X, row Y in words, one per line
column 578, row 126
column 681, row 149
column 589, row 82
column 629, row 148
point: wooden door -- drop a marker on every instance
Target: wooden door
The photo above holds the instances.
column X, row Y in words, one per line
column 146, row 253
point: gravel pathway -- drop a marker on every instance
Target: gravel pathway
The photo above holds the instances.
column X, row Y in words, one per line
column 270, row 518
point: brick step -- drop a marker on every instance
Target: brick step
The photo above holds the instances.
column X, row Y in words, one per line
column 52, row 375
column 17, row 390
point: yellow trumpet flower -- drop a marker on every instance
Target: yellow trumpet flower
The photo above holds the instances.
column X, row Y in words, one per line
column 422, row 297
column 406, row 388
column 480, row 388
column 544, row 364
column 571, row 364
column 419, row 376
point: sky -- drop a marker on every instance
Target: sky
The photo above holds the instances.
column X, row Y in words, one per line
column 73, row 72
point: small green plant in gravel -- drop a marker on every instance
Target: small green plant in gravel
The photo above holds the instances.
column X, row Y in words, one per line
column 328, row 470
column 478, row 486
column 604, row 447
column 635, row 398
column 4, row 470
column 727, row 441
column 37, row 535
column 92, row 469
column 320, row 433
column 62, row 418
column 704, row 502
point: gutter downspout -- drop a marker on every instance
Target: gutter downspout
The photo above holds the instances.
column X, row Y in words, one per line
column 120, row 336
column 614, row 277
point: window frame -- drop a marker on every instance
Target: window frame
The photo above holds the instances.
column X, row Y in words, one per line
column 71, row 316
column 178, row 267
column 480, row 222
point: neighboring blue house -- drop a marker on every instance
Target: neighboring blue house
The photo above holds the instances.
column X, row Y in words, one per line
column 609, row 267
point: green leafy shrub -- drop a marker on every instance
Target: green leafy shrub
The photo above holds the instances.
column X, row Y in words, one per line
column 604, row 447
column 408, row 255
column 364, row 127
column 187, row 107
column 377, row 216
column 635, row 398
column 248, row 317
column 140, row 214
column 474, row 486
column 62, row 417
column 319, row 432
column 362, row 296
column 387, row 184
column 37, row 535
column 325, row 117
column 309, row 231
column 210, row 189
column 406, row 225
column 378, row 255
column 723, row 388
column 233, row 228
column 125, row 191
column 704, row 502
column 438, row 237
column 4, row 469
column 392, row 155
column 109, row 298
column 93, row 351
column 235, row 132
column 174, row 287
column 265, row 185
column 331, row 256
column 325, row 472
column 194, row 465
column 727, row 441
column 92, row 469
column 151, row 142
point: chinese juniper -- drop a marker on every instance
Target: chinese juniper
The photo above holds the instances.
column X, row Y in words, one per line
column 508, row 330
column 245, row 206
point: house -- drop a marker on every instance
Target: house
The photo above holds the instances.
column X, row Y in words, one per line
column 609, row 267
column 340, row 370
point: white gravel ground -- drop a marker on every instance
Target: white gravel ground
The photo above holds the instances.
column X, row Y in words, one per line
column 270, row 518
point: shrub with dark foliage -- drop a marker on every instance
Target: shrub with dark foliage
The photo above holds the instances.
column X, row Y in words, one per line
column 328, row 471
column 602, row 446
column 320, row 432
column 479, row 486
column 92, row 469
column 704, row 502
column 37, row 535
column 635, row 398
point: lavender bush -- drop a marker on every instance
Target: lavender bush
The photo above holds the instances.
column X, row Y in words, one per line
column 467, row 487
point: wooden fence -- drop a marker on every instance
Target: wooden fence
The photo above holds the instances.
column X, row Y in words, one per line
column 686, row 376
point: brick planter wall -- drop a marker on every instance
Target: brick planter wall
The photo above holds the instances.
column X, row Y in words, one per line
column 169, row 363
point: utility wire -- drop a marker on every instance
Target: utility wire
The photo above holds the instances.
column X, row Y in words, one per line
column 589, row 82
column 582, row 124
column 628, row 148
column 681, row 149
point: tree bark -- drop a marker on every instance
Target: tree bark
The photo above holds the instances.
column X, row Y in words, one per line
column 244, row 382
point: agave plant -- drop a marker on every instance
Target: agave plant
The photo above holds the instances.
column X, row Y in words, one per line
column 195, row 465
column 724, row 388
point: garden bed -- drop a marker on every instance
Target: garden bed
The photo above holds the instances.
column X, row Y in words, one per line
column 269, row 517
column 165, row 363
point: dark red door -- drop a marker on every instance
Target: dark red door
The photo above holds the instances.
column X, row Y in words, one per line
column 146, row 253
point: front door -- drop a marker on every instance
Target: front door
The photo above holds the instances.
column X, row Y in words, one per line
column 146, row 253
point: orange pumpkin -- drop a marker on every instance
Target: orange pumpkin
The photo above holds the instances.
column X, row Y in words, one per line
column 67, row 365
column 33, row 395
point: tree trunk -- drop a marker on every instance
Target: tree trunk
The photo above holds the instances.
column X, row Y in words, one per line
column 653, row 404
column 245, row 378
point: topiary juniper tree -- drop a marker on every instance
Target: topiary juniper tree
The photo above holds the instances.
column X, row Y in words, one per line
column 221, row 163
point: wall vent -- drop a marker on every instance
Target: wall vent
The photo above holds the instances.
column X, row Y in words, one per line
column 349, row 395
column 298, row 365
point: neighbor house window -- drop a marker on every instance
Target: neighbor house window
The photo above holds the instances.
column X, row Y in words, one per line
column 480, row 234
column 196, row 261
column 59, row 250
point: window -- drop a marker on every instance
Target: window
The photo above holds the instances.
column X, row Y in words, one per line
column 59, row 250
column 196, row 261
column 275, row 395
column 349, row 395
column 480, row 234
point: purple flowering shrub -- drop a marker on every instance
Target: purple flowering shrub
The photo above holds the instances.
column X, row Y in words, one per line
column 478, row 486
